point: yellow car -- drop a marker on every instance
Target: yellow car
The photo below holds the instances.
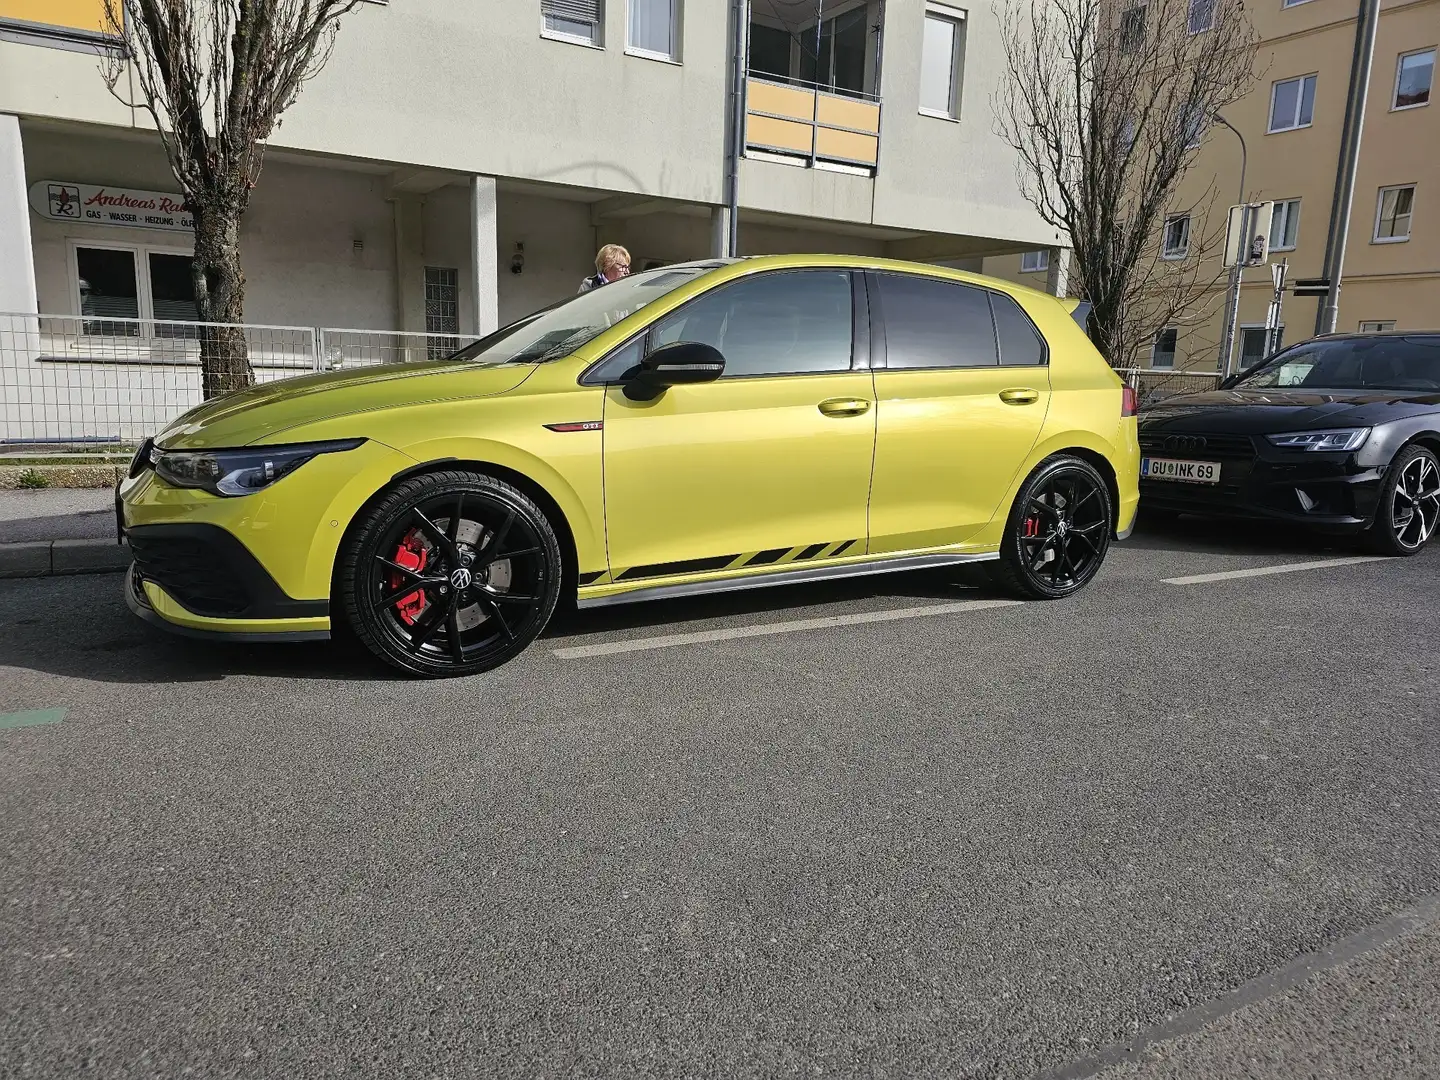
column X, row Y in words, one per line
column 703, row 427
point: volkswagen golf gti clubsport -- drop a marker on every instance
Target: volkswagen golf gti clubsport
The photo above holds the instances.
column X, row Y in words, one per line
column 698, row 428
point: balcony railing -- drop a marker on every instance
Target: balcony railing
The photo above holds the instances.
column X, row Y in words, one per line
column 808, row 122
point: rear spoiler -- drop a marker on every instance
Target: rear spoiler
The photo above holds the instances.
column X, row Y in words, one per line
column 1079, row 310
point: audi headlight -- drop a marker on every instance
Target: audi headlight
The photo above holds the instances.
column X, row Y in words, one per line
column 238, row 472
column 1338, row 439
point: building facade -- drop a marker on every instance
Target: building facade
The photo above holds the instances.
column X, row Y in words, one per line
column 456, row 165
column 1292, row 124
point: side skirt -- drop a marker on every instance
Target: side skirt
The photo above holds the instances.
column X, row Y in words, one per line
column 787, row 577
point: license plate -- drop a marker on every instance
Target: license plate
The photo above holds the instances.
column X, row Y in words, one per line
column 1185, row 472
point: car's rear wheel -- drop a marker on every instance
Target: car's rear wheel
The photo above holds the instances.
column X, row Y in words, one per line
column 1058, row 530
column 451, row 573
column 1409, row 509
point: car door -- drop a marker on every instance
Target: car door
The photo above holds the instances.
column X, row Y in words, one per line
column 768, row 465
column 960, row 401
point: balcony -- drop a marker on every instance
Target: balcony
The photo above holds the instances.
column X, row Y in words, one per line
column 812, row 125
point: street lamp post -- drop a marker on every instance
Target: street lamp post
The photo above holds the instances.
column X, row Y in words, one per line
column 1232, row 295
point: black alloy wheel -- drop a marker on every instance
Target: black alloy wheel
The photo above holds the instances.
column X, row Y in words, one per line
column 451, row 573
column 1058, row 531
column 1409, row 508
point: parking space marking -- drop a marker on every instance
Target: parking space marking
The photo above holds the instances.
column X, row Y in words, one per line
column 31, row 718
column 1283, row 568
column 730, row 633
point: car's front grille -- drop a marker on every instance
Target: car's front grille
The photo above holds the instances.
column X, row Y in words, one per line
column 191, row 572
column 1198, row 446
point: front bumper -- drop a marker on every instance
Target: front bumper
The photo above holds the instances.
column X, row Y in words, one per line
column 153, row 604
column 1329, row 492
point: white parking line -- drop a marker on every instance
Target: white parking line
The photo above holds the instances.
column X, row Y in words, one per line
column 1283, row 568
column 730, row 633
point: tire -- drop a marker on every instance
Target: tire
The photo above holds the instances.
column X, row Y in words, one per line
column 1408, row 510
column 450, row 573
column 1041, row 558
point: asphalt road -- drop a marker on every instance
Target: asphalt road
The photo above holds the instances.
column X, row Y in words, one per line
column 993, row 841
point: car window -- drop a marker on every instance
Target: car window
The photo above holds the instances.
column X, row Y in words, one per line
column 1398, row 362
column 786, row 323
column 562, row 328
column 1020, row 342
column 931, row 323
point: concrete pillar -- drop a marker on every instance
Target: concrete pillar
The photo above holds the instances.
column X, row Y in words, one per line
column 1057, row 282
column 484, row 255
column 17, row 256
column 719, row 231
column 409, row 261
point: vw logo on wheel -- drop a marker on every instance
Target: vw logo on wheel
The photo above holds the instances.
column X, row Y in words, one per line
column 460, row 579
column 1184, row 443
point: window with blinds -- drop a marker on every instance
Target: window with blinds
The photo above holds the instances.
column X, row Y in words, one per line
column 574, row 20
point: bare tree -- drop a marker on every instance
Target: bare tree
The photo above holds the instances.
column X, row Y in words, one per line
column 1107, row 102
column 215, row 75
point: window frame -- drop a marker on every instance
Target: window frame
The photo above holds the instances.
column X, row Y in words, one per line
column 1240, row 343
column 1395, row 105
column 1375, row 237
column 957, row 19
column 879, row 337
column 1270, row 129
column 1042, row 261
column 1377, row 326
column 1295, row 216
column 1133, row 26
column 144, row 294
column 1168, row 253
column 1155, row 345
column 596, row 42
column 676, row 35
column 1292, row 3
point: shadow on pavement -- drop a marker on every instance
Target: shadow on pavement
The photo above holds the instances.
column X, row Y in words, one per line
column 1216, row 536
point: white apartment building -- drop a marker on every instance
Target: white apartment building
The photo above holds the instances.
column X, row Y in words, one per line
column 458, row 162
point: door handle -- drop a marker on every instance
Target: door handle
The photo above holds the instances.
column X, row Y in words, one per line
column 1020, row 395
column 844, row 406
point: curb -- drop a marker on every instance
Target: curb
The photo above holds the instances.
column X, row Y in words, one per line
column 48, row 558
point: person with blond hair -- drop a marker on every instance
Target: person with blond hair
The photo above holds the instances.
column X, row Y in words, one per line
column 612, row 262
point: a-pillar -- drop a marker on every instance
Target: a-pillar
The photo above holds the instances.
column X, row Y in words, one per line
column 17, row 256
column 484, row 256
column 1057, row 282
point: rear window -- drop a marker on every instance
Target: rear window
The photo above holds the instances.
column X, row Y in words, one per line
column 1020, row 342
column 931, row 323
column 1399, row 362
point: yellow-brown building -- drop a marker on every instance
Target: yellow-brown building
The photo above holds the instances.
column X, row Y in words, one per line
column 1292, row 125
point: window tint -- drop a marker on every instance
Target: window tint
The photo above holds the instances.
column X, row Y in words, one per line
column 1366, row 363
column 773, row 324
column 1020, row 343
column 931, row 323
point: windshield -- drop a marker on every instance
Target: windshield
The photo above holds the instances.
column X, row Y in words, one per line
column 1401, row 362
column 561, row 328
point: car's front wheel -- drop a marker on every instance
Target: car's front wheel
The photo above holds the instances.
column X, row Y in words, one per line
column 1409, row 508
column 1058, row 530
column 450, row 573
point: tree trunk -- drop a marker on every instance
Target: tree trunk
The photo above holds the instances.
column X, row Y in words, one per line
column 220, row 298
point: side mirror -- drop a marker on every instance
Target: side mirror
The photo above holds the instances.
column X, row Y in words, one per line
column 679, row 364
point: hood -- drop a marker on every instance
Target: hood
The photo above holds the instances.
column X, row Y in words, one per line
column 1251, row 412
column 268, row 410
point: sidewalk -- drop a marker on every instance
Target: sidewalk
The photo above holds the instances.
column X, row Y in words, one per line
column 59, row 531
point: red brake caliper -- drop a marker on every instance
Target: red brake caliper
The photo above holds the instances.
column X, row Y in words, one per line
column 412, row 555
column 1032, row 526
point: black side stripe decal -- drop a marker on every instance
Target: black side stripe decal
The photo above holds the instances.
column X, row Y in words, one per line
column 810, row 552
column 763, row 557
column 591, row 578
column 842, row 548
column 687, row 566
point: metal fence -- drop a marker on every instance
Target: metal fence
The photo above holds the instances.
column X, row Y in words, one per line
column 1157, row 384
column 85, row 379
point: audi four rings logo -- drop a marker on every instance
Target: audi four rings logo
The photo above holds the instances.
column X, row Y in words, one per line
column 1183, row 443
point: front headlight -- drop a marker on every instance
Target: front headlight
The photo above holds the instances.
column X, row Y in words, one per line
column 1338, row 439
column 238, row 472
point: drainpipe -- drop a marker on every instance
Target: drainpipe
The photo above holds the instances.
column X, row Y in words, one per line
column 1360, row 64
column 740, row 49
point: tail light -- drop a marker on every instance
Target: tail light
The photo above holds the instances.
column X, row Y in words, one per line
column 1127, row 401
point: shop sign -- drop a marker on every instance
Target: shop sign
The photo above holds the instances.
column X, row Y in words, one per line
column 88, row 204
